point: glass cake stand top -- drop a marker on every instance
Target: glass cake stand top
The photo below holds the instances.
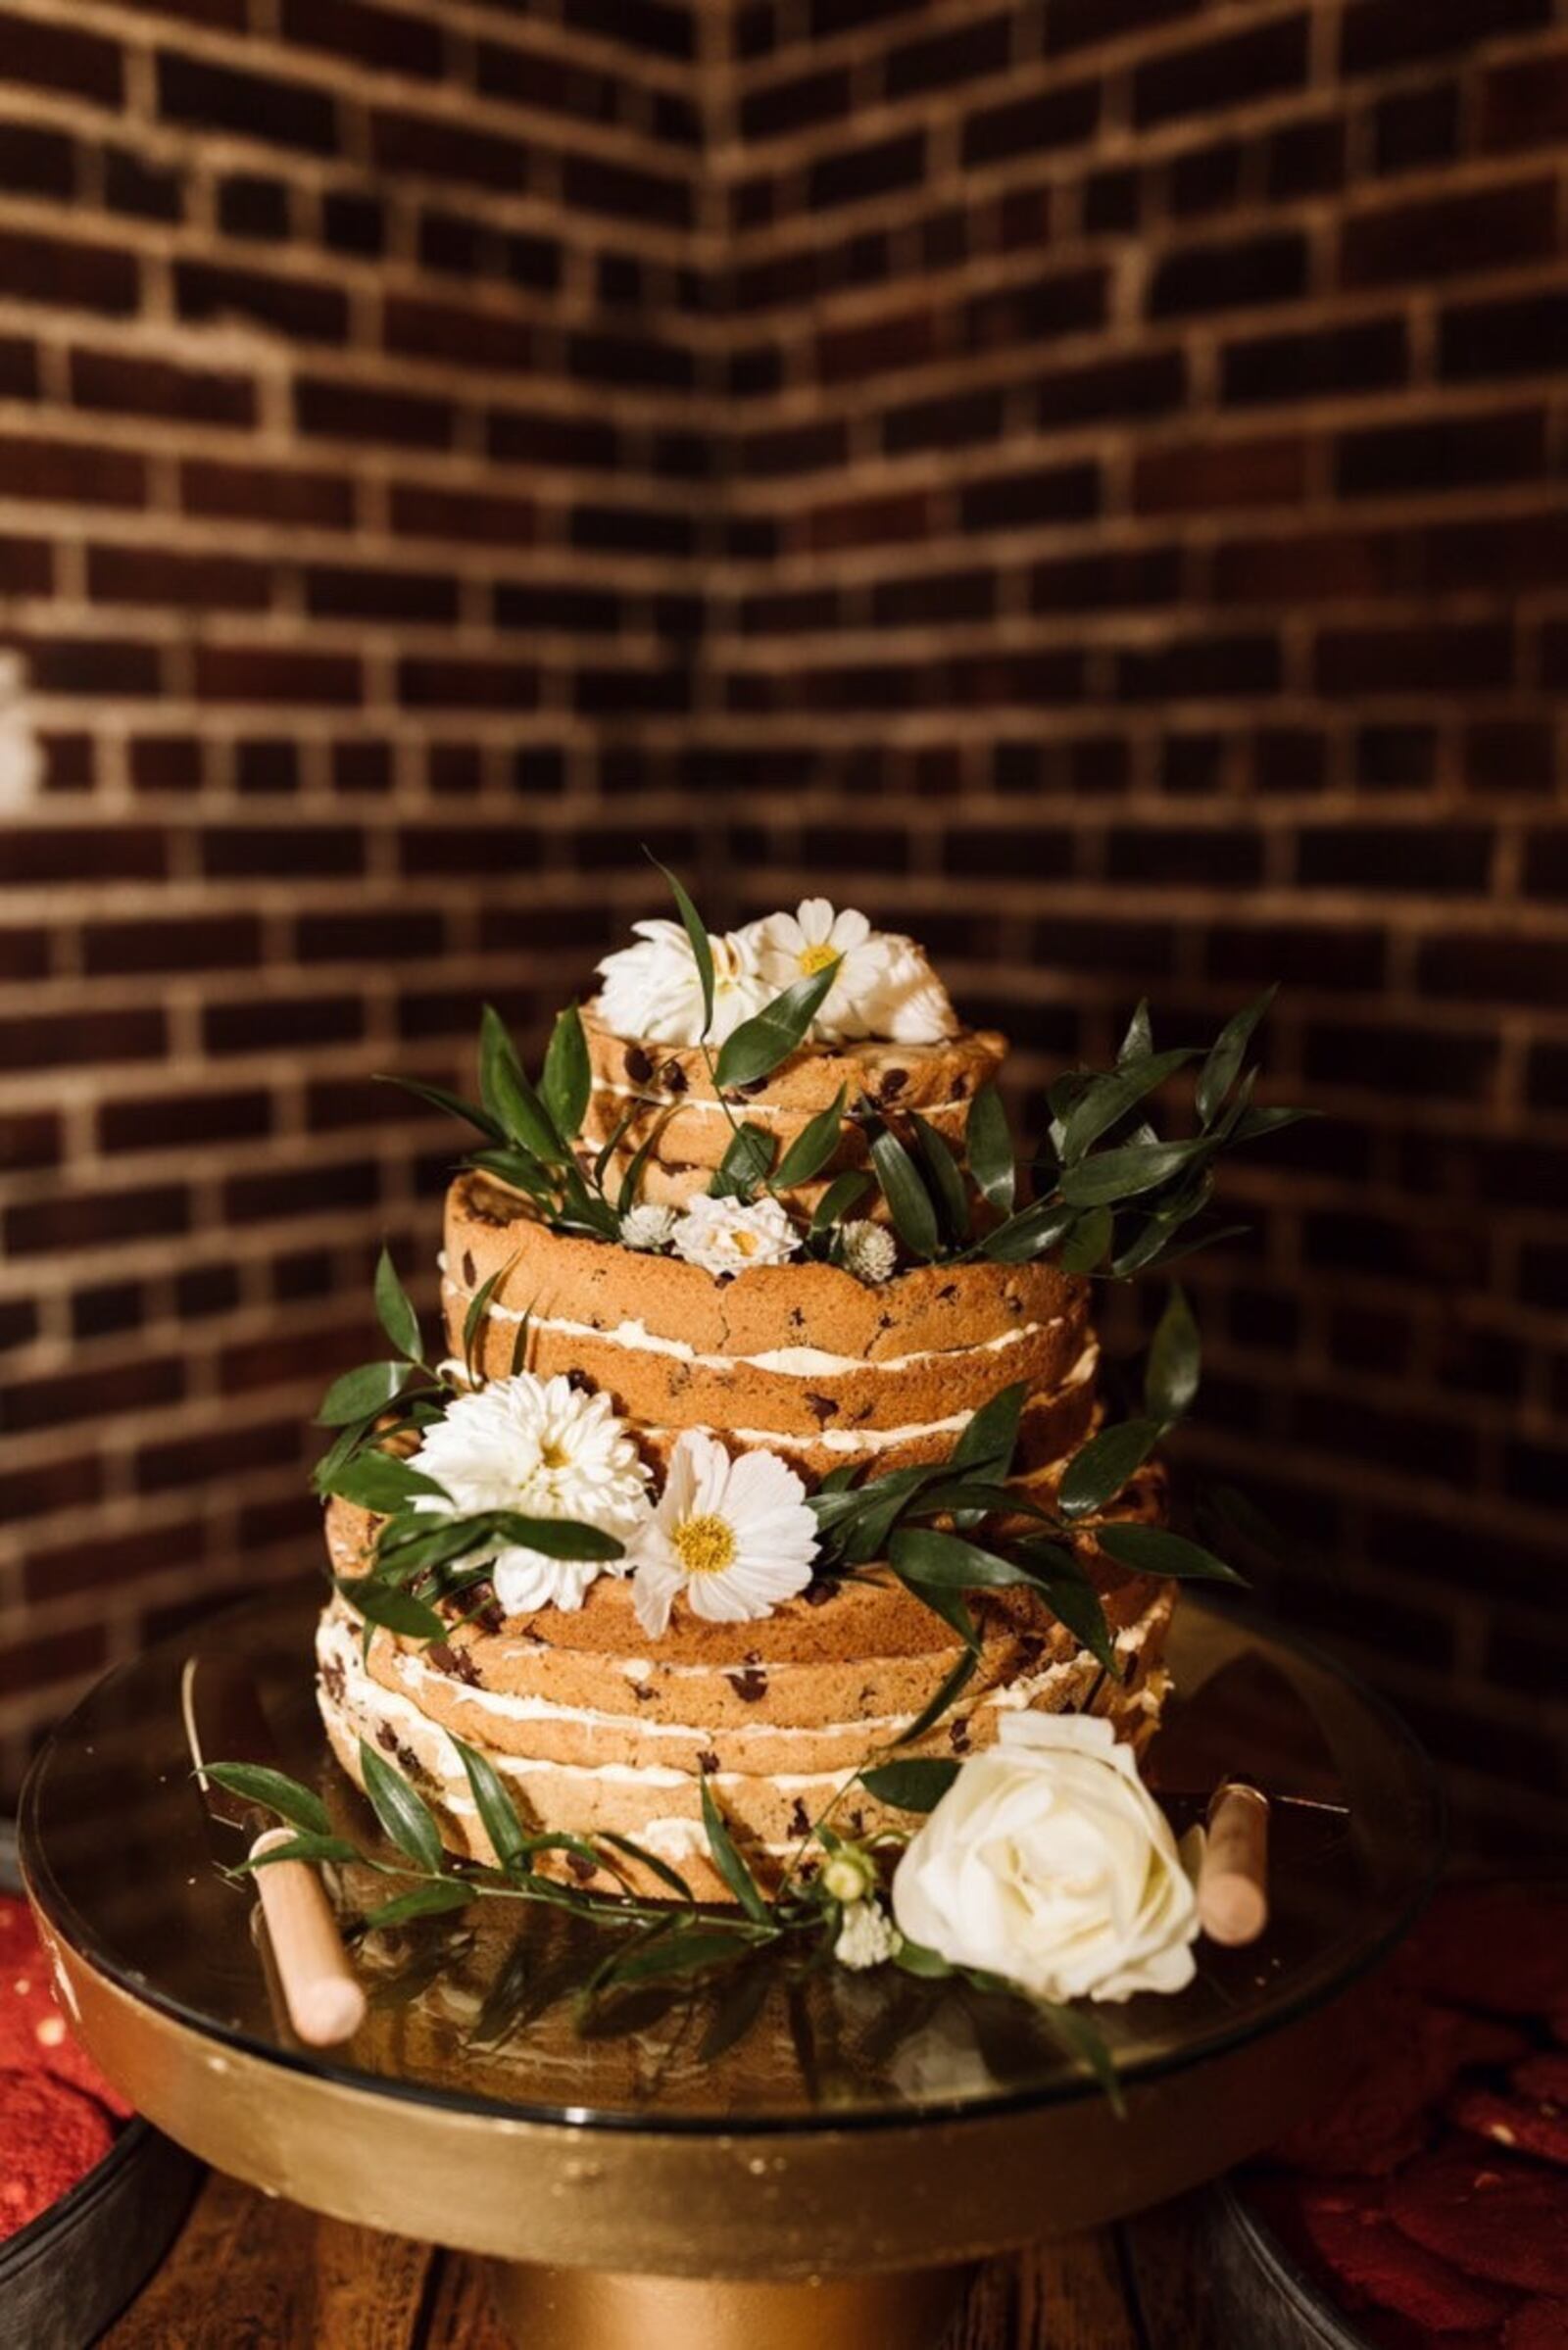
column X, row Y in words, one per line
column 476, row 2013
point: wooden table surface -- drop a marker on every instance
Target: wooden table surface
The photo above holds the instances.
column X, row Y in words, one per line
column 290, row 2280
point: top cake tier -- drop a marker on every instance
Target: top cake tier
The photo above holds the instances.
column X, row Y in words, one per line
column 663, row 1097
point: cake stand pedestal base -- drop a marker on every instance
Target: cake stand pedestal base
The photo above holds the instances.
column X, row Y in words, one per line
column 578, row 2309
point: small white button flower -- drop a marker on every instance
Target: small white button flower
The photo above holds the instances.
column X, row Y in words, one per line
column 733, row 1537
column 653, row 991
column 847, row 1874
column 546, row 1449
column 868, row 1937
column 728, row 1236
column 867, row 1251
column 646, row 1227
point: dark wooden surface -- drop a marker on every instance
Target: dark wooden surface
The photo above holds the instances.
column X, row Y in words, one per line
column 249, row 2274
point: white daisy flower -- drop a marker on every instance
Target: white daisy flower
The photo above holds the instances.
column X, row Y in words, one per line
column 792, row 947
column 547, row 1449
column 867, row 1251
column 653, row 991
column 735, row 1537
column 646, row 1227
column 868, row 1937
column 727, row 1236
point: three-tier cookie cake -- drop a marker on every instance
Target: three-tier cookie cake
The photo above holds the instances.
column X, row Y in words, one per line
column 751, row 1454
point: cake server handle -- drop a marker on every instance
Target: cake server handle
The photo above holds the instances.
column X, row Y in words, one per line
column 325, row 2002
column 1233, row 1874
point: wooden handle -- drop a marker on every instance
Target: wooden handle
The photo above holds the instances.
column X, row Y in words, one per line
column 1233, row 1874
column 325, row 2002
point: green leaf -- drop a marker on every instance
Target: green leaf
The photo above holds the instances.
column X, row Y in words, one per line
column 631, row 1181
column 924, row 1555
column 394, row 1610
column 1083, row 2041
column 914, row 1958
column 728, row 1862
column 453, row 1103
column 379, row 1482
column 509, row 1095
column 520, row 1344
column 1175, row 1360
column 403, row 1814
column 567, row 1080
column 991, row 1435
column 1139, row 1040
column 473, row 1319
column 1028, row 1234
column 1098, row 1470
column 1104, row 1100
column 990, row 1150
column 1085, row 1246
column 813, row 1146
column 1155, row 1550
column 944, row 1177
column 950, row 1689
column 744, row 1165
column 700, row 944
column 312, row 1849
column 421, row 1901
column 361, row 1394
column 1121, row 1174
column 914, row 1218
column 555, row 1538
column 844, row 1193
column 394, row 1310
column 271, row 1790
column 1071, row 1596
column 1218, row 1072
column 519, row 1169
column 496, row 1812
column 917, row 1784
column 673, row 1957
column 1255, row 1122
column 756, row 1048
column 617, row 1136
column 651, row 1861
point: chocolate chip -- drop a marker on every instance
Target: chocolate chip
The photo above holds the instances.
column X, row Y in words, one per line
column 884, row 1321
column 582, row 1867
column 959, row 1735
column 579, row 1383
column 386, row 1738
column 797, row 1318
column 707, row 1762
column 672, row 1077
column 332, row 1680
column 823, row 1407
column 637, row 1065
column 891, row 1083
column 858, row 1821
column 753, row 1085
column 799, row 1818
column 750, row 1685
column 470, row 1271
column 948, row 1292
column 961, row 1086
column 642, row 1693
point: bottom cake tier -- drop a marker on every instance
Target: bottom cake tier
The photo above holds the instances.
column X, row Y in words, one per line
column 592, row 1735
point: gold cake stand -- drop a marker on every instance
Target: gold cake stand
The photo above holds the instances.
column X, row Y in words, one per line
column 788, row 2160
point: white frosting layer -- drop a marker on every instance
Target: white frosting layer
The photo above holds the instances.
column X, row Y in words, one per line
column 795, row 1362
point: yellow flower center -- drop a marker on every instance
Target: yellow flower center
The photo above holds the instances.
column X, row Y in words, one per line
column 744, row 1244
column 705, row 1545
column 553, row 1455
column 816, row 959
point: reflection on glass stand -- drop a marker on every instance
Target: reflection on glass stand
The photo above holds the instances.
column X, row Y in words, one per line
column 794, row 2155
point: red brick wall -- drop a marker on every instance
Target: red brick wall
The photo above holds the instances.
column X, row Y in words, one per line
column 1084, row 477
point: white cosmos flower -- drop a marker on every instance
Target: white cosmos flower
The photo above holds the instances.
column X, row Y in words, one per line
column 734, row 1537
column 884, row 988
column 653, row 991
column 1047, row 1861
column 868, row 1937
column 727, row 1236
column 547, row 1449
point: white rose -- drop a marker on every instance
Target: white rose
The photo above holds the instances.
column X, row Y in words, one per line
column 1048, row 1862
